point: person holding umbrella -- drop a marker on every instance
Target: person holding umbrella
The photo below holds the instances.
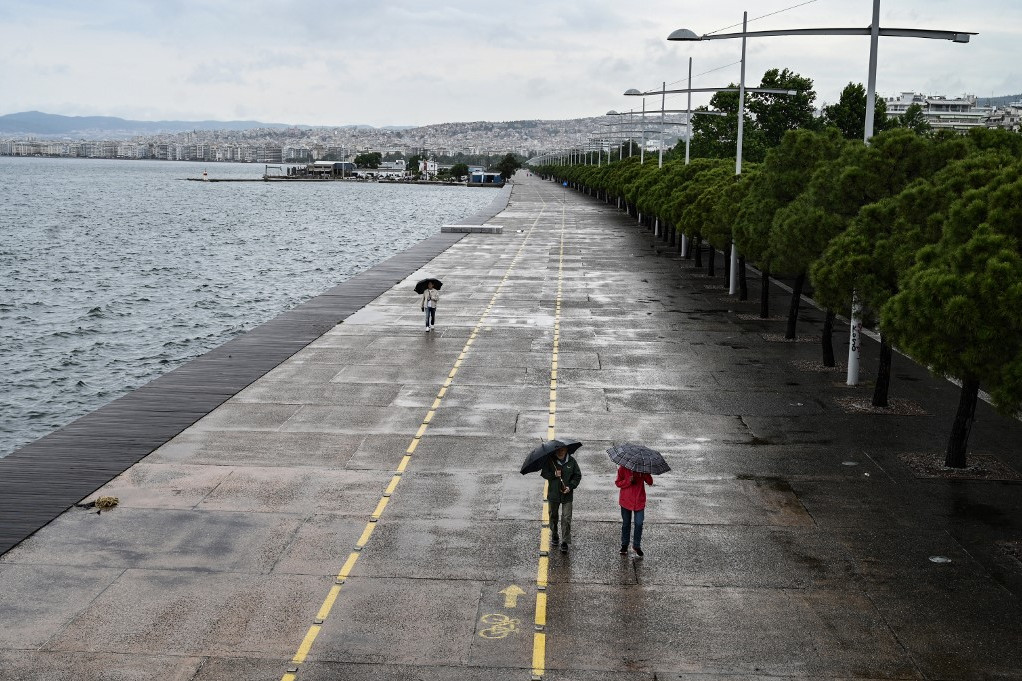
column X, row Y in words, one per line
column 554, row 462
column 564, row 474
column 636, row 466
column 430, row 290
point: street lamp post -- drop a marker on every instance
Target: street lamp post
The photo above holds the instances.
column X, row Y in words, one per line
column 874, row 31
column 688, row 134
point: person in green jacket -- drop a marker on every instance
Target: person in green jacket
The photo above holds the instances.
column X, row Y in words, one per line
column 564, row 474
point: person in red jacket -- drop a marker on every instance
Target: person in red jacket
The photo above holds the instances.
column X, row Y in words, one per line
column 633, row 504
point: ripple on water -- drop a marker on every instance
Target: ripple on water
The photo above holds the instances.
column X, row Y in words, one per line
column 119, row 272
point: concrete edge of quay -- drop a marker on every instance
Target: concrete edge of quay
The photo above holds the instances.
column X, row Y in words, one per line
column 46, row 477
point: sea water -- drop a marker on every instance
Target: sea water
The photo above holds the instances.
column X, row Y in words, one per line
column 114, row 272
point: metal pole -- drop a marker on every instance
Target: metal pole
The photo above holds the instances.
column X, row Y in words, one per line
column 855, row 323
column 630, row 132
column 733, row 280
column 642, row 149
column 871, row 80
column 663, row 101
column 688, row 114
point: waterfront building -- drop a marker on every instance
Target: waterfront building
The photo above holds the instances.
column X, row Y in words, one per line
column 942, row 113
column 1008, row 117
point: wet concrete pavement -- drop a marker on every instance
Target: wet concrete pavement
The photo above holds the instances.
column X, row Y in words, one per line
column 357, row 512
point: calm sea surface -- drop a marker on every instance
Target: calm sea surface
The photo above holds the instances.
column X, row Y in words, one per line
column 114, row 272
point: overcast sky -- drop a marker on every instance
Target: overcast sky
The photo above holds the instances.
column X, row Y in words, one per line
column 396, row 62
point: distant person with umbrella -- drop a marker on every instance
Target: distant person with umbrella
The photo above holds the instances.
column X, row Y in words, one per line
column 554, row 461
column 637, row 465
column 430, row 290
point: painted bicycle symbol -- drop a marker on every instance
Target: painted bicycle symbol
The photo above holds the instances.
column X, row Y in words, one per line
column 500, row 625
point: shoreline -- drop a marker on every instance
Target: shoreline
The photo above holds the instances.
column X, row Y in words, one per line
column 47, row 476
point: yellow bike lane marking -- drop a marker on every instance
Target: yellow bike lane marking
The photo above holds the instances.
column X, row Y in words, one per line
column 328, row 603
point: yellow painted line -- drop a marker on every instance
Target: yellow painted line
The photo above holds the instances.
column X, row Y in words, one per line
column 541, row 609
column 367, row 532
column 553, row 407
column 552, row 421
column 538, row 653
column 553, row 395
column 328, row 604
column 553, row 375
column 541, row 571
column 550, row 433
column 303, row 649
column 349, row 565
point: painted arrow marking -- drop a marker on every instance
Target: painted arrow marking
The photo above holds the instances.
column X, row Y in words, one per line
column 511, row 595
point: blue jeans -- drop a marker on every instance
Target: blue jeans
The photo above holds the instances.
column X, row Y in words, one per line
column 626, row 526
column 430, row 316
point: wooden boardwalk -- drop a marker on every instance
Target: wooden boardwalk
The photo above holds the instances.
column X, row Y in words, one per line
column 44, row 478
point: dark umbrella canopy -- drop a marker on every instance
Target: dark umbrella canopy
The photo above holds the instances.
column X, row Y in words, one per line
column 421, row 286
column 638, row 458
column 537, row 457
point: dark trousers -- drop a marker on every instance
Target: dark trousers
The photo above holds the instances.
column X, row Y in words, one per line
column 626, row 526
column 430, row 316
column 563, row 508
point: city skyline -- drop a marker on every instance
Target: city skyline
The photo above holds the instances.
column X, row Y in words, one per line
column 405, row 63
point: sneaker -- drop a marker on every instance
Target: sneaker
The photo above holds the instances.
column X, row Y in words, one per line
column 428, row 328
column 624, row 549
column 555, row 540
column 638, row 551
column 564, row 547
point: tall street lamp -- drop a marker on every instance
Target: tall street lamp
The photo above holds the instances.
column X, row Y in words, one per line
column 688, row 136
column 874, row 31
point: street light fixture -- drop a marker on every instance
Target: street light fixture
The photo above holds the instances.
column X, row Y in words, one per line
column 874, row 31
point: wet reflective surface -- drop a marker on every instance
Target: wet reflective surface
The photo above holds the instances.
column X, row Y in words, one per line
column 766, row 555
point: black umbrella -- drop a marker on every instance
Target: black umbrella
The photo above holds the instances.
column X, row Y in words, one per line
column 537, row 457
column 638, row 458
column 421, row 286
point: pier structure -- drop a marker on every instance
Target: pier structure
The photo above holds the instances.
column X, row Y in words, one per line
column 337, row 495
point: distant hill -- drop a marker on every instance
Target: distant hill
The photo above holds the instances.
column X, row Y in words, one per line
column 998, row 101
column 41, row 124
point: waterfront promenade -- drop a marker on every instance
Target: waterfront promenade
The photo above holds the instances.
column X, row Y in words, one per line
column 357, row 512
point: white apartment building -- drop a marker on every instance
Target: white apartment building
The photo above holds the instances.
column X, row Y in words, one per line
column 940, row 112
column 1008, row 117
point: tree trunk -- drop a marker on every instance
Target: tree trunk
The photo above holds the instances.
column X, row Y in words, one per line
column 796, row 300
column 764, row 293
column 727, row 268
column 958, row 443
column 711, row 263
column 883, row 374
column 828, row 339
column 743, row 282
column 697, row 246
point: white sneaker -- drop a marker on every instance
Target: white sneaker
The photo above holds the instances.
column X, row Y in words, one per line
column 428, row 328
